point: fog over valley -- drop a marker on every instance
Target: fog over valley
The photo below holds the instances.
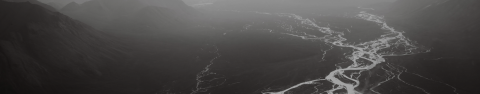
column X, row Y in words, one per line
column 239, row 46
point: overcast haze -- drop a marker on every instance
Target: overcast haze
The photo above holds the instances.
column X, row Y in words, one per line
column 320, row 2
column 239, row 46
column 282, row 6
column 317, row 2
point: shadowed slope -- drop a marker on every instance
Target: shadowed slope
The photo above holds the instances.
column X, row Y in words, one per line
column 42, row 49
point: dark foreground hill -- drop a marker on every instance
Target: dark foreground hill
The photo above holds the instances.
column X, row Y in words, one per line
column 45, row 52
column 42, row 49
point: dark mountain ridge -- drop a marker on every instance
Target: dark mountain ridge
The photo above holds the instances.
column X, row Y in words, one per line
column 72, row 6
column 43, row 51
column 57, row 4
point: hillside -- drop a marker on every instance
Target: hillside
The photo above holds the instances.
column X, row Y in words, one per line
column 450, row 28
column 42, row 49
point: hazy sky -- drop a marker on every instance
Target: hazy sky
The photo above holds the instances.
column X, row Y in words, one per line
column 192, row 2
column 246, row 3
column 78, row 1
column 210, row 1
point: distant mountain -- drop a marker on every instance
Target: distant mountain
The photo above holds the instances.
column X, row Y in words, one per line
column 51, row 8
column 177, row 5
column 54, row 5
column 72, row 6
column 41, row 49
column 57, row 4
column 103, row 13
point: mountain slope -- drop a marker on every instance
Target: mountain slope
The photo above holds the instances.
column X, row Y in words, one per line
column 57, row 4
column 450, row 28
column 177, row 5
column 72, row 6
column 42, row 49
column 103, row 13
